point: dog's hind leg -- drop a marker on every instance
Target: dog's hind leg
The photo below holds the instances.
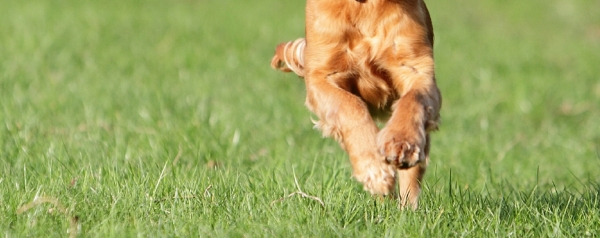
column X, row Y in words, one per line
column 409, row 181
column 409, row 185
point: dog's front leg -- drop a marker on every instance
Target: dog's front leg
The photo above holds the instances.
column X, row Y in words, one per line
column 404, row 141
column 345, row 117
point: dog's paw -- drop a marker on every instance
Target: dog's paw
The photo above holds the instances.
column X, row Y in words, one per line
column 402, row 148
column 376, row 176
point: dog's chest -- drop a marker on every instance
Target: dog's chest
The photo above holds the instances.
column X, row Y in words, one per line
column 362, row 40
column 368, row 40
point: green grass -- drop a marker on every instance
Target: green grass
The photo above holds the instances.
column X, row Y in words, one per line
column 163, row 118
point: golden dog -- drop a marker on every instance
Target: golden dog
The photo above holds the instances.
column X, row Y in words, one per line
column 371, row 59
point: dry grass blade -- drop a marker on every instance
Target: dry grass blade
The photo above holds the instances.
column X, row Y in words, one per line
column 160, row 178
column 178, row 156
column 41, row 200
column 73, row 220
column 177, row 197
column 206, row 192
column 299, row 192
column 304, row 195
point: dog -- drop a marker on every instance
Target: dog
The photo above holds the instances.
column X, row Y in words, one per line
column 366, row 62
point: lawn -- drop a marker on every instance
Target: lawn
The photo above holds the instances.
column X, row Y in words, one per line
column 162, row 118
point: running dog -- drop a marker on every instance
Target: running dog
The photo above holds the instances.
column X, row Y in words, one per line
column 369, row 61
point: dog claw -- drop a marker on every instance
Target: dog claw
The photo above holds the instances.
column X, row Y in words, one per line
column 391, row 159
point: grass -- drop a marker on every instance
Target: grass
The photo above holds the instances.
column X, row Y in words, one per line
column 163, row 119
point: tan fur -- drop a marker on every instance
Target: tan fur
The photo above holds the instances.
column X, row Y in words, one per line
column 364, row 60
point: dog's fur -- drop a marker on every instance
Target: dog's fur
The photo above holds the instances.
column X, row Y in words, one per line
column 364, row 60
